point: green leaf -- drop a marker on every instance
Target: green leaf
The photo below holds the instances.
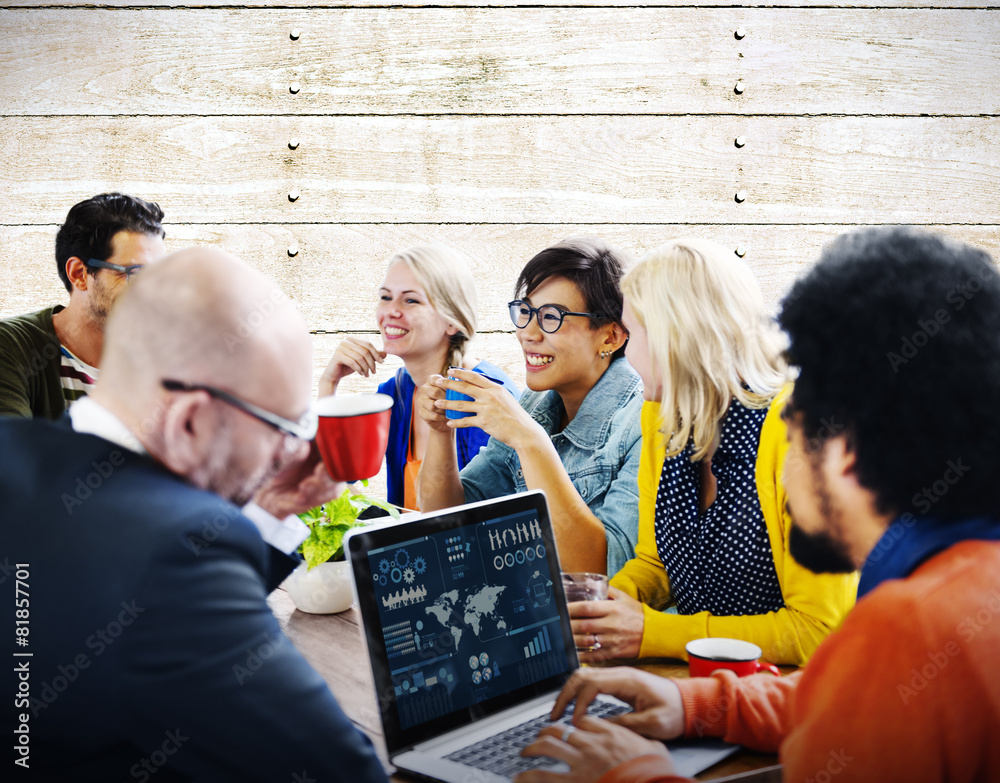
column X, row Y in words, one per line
column 330, row 522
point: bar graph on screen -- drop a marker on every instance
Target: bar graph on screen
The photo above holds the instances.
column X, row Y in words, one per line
column 540, row 644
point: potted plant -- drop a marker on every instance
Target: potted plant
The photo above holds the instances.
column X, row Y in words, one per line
column 322, row 583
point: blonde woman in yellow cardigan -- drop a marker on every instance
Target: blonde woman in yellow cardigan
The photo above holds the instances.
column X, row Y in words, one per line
column 713, row 547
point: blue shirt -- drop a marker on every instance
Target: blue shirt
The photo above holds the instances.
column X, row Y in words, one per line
column 599, row 450
column 468, row 441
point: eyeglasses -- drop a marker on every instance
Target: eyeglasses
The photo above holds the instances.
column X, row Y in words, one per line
column 303, row 429
column 549, row 317
column 128, row 271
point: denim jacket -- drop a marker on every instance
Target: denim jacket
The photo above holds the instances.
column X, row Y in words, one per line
column 599, row 450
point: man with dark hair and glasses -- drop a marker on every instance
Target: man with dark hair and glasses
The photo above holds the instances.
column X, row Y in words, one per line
column 51, row 357
column 136, row 510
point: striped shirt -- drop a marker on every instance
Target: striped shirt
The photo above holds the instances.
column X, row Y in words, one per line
column 77, row 377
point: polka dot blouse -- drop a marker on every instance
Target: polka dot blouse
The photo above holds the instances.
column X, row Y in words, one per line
column 719, row 560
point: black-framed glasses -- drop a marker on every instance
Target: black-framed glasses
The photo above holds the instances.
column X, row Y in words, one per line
column 303, row 429
column 549, row 317
column 127, row 271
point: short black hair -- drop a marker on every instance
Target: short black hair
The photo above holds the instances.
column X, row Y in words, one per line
column 593, row 266
column 91, row 224
column 896, row 336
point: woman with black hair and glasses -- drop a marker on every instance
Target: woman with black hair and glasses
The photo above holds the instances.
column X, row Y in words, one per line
column 576, row 432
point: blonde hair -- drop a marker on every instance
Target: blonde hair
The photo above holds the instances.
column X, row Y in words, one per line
column 709, row 337
column 446, row 278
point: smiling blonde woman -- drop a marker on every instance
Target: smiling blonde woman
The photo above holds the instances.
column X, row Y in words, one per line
column 713, row 527
column 426, row 315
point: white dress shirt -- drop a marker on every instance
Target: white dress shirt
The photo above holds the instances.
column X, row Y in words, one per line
column 91, row 418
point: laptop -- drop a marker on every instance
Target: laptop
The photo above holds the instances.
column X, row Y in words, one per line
column 469, row 639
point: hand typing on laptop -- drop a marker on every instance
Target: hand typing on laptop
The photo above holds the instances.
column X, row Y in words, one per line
column 657, row 710
column 590, row 746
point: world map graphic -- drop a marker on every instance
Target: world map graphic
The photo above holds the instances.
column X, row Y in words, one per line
column 476, row 610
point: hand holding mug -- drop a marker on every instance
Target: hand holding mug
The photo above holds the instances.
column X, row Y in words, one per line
column 487, row 405
column 457, row 396
column 616, row 624
column 425, row 405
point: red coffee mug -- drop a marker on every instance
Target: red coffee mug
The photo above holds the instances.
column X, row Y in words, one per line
column 353, row 433
column 708, row 655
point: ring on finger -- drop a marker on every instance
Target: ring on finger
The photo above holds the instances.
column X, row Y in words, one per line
column 567, row 732
column 597, row 642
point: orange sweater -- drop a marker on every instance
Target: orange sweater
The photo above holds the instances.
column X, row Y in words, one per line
column 907, row 689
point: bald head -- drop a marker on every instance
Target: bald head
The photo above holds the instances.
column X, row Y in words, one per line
column 203, row 316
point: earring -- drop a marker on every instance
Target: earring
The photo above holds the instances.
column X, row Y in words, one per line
column 605, row 354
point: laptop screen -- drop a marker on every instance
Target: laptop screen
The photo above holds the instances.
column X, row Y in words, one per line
column 463, row 617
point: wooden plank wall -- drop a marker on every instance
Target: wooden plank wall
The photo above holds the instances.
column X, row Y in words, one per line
column 496, row 126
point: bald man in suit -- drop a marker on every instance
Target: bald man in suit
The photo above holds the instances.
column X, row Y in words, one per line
column 153, row 520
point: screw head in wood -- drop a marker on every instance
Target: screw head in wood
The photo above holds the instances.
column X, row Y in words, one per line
column 294, row 87
column 740, row 33
column 741, row 251
column 741, row 196
column 741, row 141
column 293, row 195
column 293, row 144
column 739, row 88
column 295, row 33
column 293, row 250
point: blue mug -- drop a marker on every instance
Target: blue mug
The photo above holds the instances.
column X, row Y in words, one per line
column 454, row 395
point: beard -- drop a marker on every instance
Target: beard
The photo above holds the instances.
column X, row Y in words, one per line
column 100, row 302
column 820, row 552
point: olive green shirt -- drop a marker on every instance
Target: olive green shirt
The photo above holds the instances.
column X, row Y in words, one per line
column 30, row 359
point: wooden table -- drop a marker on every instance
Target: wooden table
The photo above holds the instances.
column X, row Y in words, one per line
column 334, row 645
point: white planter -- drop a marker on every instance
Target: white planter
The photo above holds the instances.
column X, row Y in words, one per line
column 326, row 589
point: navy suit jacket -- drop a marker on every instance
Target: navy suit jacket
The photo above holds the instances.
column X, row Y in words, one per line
column 154, row 654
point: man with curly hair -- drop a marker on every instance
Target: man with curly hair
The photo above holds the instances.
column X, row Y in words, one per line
column 893, row 468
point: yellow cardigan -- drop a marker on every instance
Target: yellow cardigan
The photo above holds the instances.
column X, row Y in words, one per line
column 815, row 604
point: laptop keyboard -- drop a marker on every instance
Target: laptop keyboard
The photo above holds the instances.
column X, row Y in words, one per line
column 501, row 755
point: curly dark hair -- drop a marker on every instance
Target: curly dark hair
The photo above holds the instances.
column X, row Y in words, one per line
column 896, row 335
column 593, row 266
column 91, row 224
